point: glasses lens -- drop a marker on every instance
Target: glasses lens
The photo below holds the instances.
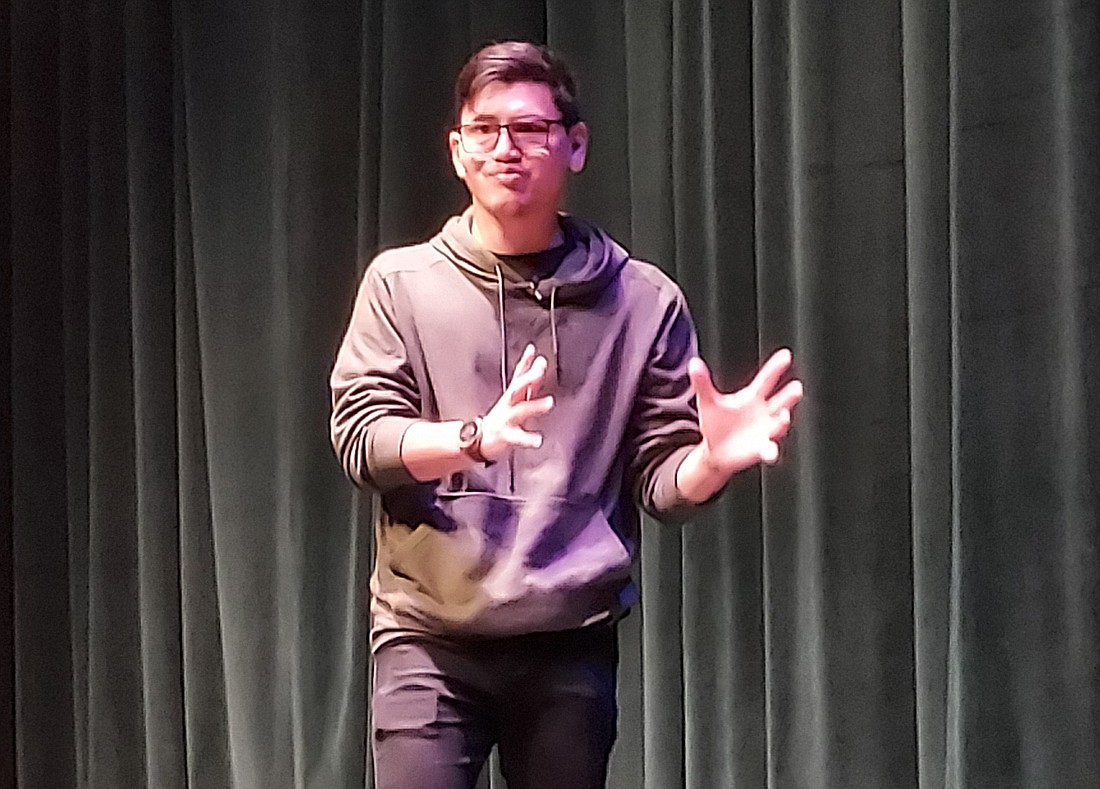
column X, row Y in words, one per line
column 525, row 135
column 529, row 134
column 479, row 137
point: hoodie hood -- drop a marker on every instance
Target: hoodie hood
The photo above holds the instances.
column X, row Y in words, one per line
column 592, row 261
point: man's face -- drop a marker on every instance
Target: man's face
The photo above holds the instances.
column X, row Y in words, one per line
column 519, row 171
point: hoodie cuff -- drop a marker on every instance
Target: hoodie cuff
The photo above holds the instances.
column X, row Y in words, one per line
column 669, row 506
column 384, row 466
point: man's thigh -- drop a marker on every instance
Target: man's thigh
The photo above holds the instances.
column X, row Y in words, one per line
column 430, row 726
column 561, row 720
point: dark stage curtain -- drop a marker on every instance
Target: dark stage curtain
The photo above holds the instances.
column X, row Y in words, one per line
column 906, row 194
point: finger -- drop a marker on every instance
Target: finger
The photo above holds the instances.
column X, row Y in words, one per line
column 780, row 425
column 787, row 398
column 770, row 372
column 701, row 382
column 525, row 361
column 525, row 385
column 527, row 357
column 769, row 453
column 524, row 439
column 521, row 412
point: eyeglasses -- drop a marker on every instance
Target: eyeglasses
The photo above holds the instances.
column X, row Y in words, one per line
column 527, row 135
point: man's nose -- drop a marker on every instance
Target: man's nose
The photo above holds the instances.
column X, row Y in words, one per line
column 506, row 146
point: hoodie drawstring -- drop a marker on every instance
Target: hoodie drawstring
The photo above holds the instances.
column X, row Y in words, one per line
column 503, row 332
column 504, row 367
column 504, row 350
column 554, row 332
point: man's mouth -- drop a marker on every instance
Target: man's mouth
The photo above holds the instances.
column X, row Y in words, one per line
column 508, row 176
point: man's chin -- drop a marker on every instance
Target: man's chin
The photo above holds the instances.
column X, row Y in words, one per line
column 508, row 206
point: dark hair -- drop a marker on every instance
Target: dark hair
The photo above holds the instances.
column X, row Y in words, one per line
column 518, row 61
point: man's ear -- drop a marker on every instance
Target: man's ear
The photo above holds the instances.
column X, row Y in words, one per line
column 456, row 159
column 578, row 142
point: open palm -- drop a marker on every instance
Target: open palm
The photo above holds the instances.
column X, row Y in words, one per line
column 741, row 429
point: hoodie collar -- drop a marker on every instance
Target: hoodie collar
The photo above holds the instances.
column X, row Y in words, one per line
column 592, row 260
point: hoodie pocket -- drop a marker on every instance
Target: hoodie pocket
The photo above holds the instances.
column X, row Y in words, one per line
column 458, row 542
column 547, row 559
column 571, row 545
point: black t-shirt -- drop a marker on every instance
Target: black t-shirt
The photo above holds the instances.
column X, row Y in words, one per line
column 537, row 266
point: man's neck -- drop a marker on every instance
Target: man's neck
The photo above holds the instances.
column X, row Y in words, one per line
column 516, row 235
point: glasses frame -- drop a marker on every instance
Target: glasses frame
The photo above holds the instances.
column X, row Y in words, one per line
column 550, row 123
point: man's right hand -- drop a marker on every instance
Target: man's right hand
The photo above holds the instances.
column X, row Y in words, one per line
column 432, row 450
column 502, row 429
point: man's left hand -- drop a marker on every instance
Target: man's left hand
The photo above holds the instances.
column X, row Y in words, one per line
column 741, row 429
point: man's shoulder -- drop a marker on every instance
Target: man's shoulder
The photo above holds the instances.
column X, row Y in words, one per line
column 651, row 280
column 409, row 258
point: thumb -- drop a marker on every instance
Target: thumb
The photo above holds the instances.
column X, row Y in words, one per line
column 700, row 380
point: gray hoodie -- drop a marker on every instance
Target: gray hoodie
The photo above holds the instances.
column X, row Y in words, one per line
column 547, row 539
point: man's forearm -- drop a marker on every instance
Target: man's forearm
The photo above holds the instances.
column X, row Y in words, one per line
column 432, row 450
column 697, row 478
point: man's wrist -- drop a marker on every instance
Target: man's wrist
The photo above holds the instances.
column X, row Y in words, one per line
column 699, row 476
column 470, row 436
column 709, row 463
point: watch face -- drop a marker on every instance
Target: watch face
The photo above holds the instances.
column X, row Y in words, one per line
column 468, row 431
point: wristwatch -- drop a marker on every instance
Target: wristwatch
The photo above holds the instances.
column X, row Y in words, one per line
column 469, row 438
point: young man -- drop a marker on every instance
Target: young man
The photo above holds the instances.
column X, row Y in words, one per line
column 514, row 388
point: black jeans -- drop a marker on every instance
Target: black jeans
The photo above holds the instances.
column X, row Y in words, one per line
column 547, row 701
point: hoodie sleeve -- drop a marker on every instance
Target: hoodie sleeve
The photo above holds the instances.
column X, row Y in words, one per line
column 664, row 422
column 374, row 391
